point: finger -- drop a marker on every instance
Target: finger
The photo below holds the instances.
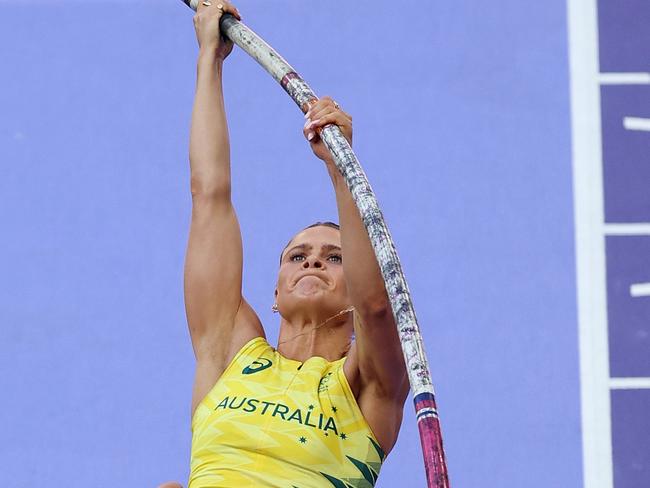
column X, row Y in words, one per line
column 311, row 128
column 201, row 6
column 322, row 108
column 329, row 109
column 332, row 103
column 318, row 114
column 310, row 135
column 314, row 107
column 320, row 105
column 321, row 102
column 326, row 107
column 307, row 130
column 229, row 8
column 226, row 7
column 330, row 118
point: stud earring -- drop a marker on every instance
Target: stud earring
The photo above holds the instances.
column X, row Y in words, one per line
column 275, row 308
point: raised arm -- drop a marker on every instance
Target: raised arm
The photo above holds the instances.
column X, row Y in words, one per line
column 375, row 365
column 213, row 263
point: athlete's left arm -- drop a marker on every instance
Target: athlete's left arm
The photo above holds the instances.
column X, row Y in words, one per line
column 378, row 349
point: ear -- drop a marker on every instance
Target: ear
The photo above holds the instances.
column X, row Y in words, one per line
column 276, row 293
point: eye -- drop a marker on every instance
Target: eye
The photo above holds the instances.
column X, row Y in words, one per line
column 337, row 258
column 297, row 255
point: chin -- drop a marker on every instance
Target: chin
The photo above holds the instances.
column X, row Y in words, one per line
column 316, row 299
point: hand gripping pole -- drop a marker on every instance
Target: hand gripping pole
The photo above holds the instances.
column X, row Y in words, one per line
column 391, row 269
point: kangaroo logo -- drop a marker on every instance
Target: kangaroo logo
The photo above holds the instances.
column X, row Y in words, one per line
column 257, row 366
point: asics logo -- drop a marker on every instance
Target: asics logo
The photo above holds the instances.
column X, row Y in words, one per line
column 257, row 366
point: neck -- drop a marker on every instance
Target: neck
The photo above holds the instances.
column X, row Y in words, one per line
column 302, row 337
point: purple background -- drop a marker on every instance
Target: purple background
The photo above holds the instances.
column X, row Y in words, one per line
column 629, row 328
column 631, row 438
column 624, row 47
column 626, row 154
column 462, row 125
column 624, row 35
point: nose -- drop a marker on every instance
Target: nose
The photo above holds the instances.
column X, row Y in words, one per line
column 312, row 261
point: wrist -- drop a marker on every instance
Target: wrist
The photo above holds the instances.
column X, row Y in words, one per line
column 335, row 174
column 208, row 57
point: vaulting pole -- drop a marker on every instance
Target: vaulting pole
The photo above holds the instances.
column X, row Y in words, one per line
column 391, row 269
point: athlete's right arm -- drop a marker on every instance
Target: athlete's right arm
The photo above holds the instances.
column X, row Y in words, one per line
column 213, row 263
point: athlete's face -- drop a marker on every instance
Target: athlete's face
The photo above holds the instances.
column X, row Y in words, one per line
column 311, row 271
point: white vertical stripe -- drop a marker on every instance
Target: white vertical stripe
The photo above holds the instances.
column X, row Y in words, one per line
column 590, row 244
column 640, row 290
column 636, row 123
column 624, row 78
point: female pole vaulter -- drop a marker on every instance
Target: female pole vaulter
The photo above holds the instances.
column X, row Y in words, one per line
column 324, row 407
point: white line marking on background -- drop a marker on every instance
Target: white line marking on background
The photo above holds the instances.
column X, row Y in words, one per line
column 627, row 229
column 636, row 123
column 624, row 78
column 629, row 383
column 640, row 290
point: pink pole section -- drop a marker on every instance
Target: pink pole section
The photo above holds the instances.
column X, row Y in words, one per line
column 431, row 440
column 382, row 243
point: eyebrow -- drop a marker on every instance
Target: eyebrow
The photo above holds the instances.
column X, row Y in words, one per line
column 324, row 247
